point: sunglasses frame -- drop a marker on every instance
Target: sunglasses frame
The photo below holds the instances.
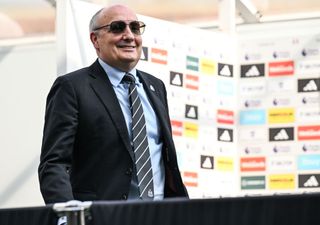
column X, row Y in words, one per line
column 129, row 23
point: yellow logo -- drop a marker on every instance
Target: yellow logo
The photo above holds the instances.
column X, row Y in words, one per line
column 281, row 181
column 283, row 115
column 224, row 163
column 191, row 129
column 208, row 66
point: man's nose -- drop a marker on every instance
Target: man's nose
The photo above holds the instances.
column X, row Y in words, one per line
column 127, row 33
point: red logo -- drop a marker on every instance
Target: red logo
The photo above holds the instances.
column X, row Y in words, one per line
column 192, row 82
column 253, row 164
column 309, row 132
column 225, row 116
column 283, row 68
column 177, row 127
column 159, row 56
column 190, row 179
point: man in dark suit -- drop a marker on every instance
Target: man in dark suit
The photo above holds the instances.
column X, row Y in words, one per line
column 87, row 151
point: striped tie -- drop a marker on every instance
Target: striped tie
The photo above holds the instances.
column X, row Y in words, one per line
column 140, row 141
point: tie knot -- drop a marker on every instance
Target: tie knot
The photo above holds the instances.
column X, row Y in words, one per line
column 129, row 78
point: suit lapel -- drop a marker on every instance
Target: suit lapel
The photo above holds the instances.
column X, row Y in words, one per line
column 153, row 92
column 104, row 90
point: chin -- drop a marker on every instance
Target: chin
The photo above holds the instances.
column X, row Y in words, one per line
column 129, row 59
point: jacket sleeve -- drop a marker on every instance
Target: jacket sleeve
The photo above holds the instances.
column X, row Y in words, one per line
column 61, row 121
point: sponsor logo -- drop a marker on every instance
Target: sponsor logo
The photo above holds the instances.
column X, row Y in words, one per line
column 310, row 147
column 226, row 102
column 192, row 82
column 225, row 87
column 281, row 85
column 281, row 181
column 309, row 132
column 207, row 162
column 192, row 63
column 144, row 54
column 177, row 127
column 281, row 149
column 253, row 182
column 190, row 179
column 308, row 115
column 280, row 54
column 191, row 130
column 225, row 149
column 252, row 134
column 252, row 164
column 253, row 88
column 176, row 79
column 191, row 112
column 281, row 163
column 252, row 103
column 250, row 150
column 159, row 56
column 252, row 70
column 225, row 70
column 252, row 56
column 309, row 85
column 309, row 52
column 224, row 163
column 284, row 115
column 252, row 117
column 309, row 180
column 283, row 68
column 308, row 67
column 281, row 101
column 208, row 66
column 281, row 134
column 309, row 162
column 225, row 116
column 310, row 100
column 225, row 135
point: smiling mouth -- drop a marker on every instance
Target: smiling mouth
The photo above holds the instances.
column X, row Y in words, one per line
column 126, row 46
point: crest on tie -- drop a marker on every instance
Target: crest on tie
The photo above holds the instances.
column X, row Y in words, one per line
column 150, row 193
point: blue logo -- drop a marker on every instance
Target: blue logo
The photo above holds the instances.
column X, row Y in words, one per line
column 309, row 162
column 225, row 87
column 253, row 117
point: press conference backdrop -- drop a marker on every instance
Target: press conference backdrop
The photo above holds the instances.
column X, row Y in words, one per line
column 245, row 109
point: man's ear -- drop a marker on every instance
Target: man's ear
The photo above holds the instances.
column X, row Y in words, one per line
column 94, row 40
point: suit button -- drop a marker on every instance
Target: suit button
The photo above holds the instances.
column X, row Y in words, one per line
column 124, row 197
column 129, row 171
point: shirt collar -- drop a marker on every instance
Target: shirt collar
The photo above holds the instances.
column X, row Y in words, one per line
column 115, row 75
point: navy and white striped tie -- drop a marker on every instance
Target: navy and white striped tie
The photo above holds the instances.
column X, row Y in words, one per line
column 140, row 142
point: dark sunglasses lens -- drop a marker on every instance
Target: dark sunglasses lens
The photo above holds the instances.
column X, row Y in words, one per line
column 135, row 27
column 117, row 26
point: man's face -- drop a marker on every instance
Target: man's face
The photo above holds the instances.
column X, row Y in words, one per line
column 119, row 50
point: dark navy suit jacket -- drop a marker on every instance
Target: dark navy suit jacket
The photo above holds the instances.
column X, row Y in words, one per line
column 86, row 153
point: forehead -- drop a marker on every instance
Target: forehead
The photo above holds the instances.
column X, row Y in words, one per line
column 117, row 13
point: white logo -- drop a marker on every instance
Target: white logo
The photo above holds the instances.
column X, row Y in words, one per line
column 225, row 71
column 192, row 113
column 282, row 135
column 311, row 86
column 207, row 163
column 150, row 193
column 252, row 72
column 225, row 136
column 311, row 182
column 176, row 80
column 152, row 88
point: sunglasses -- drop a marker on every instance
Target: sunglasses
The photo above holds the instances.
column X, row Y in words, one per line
column 117, row 27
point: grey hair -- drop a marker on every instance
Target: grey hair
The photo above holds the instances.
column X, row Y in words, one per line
column 93, row 22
